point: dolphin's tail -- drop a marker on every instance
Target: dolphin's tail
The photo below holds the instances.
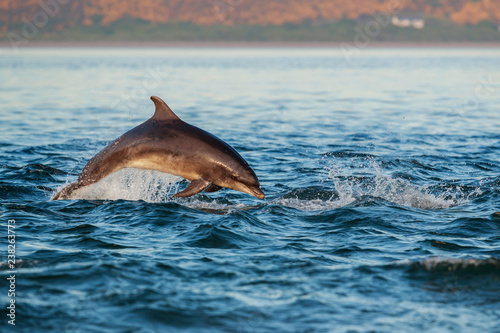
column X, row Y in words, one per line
column 66, row 191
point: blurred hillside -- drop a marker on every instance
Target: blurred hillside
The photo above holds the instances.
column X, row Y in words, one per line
column 103, row 19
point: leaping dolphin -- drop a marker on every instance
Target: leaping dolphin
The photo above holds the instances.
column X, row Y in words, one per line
column 166, row 143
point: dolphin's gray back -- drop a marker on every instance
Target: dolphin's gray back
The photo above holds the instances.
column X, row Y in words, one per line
column 173, row 139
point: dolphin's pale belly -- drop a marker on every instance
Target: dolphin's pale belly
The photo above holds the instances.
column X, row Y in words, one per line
column 167, row 164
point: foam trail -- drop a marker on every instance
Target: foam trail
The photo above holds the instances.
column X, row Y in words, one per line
column 315, row 204
column 213, row 205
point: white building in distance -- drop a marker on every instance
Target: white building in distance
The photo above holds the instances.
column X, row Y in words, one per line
column 408, row 21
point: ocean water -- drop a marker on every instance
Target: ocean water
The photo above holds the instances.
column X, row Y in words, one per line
column 381, row 173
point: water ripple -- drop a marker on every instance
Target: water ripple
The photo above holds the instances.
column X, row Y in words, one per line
column 381, row 210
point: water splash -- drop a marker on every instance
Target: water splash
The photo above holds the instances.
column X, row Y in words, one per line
column 382, row 185
column 398, row 190
column 147, row 185
column 131, row 184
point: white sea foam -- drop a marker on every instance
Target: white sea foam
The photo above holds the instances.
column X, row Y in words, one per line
column 401, row 191
column 314, row 204
column 393, row 189
column 131, row 184
column 451, row 264
column 212, row 206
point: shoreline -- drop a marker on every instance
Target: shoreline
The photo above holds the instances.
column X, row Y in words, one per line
column 236, row 44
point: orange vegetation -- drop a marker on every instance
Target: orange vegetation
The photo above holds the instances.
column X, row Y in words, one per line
column 230, row 12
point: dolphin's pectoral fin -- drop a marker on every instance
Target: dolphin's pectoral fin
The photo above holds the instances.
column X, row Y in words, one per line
column 213, row 188
column 196, row 186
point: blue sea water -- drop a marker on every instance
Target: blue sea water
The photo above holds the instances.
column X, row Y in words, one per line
column 381, row 171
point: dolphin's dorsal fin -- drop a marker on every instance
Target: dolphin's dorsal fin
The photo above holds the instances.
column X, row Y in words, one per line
column 162, row 111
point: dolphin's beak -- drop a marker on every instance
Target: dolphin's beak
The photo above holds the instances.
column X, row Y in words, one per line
column 255, row 191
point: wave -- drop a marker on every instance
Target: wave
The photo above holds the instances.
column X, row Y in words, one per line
column 437, row 264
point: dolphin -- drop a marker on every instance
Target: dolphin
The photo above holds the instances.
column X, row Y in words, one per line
column 167, row 144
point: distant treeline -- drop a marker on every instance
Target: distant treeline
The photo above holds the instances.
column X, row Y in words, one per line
column 344, row 30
